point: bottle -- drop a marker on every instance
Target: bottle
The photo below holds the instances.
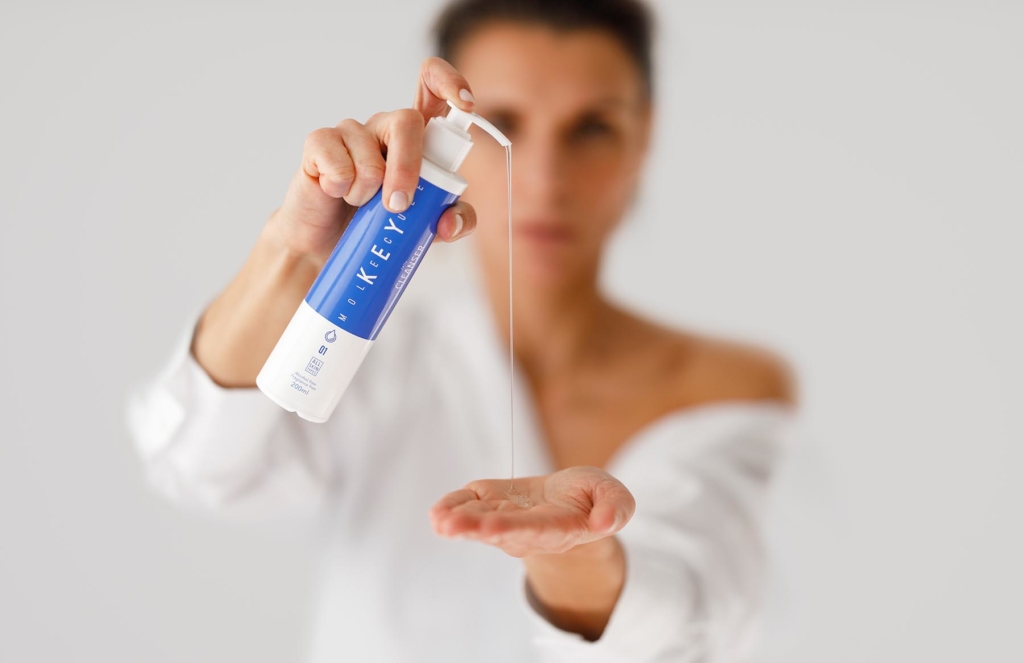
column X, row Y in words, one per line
column 335, row 326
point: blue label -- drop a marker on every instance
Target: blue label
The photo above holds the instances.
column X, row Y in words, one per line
column 374, row 260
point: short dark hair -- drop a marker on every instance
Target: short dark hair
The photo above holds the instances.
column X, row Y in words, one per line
column 629, row 21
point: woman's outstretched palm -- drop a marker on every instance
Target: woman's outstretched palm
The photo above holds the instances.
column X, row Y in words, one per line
column 561, row 510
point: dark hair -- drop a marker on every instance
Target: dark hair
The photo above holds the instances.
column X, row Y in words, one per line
column 629, row 21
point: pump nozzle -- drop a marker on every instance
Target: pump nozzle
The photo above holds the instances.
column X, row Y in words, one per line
column 462, row 120
column 446, row 140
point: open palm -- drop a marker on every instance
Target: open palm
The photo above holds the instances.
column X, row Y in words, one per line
column 543, row 514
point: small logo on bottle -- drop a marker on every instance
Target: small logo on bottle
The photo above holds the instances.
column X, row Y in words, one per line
column 331, row 336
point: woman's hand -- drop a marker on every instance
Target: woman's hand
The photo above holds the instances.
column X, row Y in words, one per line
column 344, row 166
column 571, row 507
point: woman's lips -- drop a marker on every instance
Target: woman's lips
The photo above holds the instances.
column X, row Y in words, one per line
column 544, row 233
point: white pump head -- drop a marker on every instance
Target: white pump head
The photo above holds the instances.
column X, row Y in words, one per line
column 446, row 140
column 462, row 120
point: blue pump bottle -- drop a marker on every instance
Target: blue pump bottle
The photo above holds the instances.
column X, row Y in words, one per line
column 335, row 326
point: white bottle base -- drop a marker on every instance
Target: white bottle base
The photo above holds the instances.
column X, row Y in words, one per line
column 311, row 366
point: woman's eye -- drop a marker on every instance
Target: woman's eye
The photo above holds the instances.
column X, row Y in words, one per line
column 505, row 125
column 592, row 128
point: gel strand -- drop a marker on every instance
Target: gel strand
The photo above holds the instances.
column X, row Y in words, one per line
column 511, row 354
column 515, row 497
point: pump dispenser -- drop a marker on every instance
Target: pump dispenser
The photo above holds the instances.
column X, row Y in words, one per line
column 335, row 326
column 446, row 140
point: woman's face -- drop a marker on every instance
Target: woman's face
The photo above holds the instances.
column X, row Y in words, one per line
column 574, row 107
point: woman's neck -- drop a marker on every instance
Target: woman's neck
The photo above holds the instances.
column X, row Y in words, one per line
column 555, row 327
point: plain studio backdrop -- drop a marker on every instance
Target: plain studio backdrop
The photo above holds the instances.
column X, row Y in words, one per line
column 842, row 182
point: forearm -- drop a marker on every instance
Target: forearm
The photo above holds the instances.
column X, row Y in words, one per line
column 240, row 328
column 578, row 589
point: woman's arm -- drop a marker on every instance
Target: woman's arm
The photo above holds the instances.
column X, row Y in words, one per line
column 207, row 436
column 682, row 580
column 237, row 332
column 577, row 590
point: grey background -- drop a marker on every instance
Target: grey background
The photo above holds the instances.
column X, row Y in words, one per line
column 841, row 181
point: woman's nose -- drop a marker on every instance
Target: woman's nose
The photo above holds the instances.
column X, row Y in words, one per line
column 539, row 172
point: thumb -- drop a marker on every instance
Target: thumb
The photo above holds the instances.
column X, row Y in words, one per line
column 613, row 507
column 457, row 221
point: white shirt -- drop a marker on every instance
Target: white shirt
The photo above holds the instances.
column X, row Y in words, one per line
column 426, row 414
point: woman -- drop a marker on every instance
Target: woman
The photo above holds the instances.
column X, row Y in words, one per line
column 648, row 449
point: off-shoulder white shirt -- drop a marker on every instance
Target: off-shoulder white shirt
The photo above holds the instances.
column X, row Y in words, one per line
column 427, row 413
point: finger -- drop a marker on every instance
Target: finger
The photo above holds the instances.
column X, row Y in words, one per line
column 499, row 488
column 368, row 163
column 603, row 518
column 464, row 519
column 326, row 159
column 452, row 500
column 613, row 507
column 527, row 532
column 401, row 132
column 530, row 522
column 447, row 516
column 439, row 83
column 461, row 520
column 457, row 222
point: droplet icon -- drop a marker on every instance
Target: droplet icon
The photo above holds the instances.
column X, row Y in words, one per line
column 331, row 336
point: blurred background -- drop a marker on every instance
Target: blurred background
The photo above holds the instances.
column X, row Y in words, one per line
column 843, row 181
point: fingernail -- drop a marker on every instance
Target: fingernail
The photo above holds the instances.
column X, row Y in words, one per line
column 458, row 226
column 398, row 201
column 466, row 95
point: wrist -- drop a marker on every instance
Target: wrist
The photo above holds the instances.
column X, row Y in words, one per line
column 577, row 590
column 602, row 560
column 599, row 550
column 237, row 332
column 273, row 242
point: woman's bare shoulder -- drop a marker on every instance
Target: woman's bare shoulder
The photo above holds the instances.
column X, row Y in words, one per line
column 711, row 369
column 726, row 369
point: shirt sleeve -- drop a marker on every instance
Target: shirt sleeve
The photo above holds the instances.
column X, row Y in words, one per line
column 229, row 450
column 694, row 549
